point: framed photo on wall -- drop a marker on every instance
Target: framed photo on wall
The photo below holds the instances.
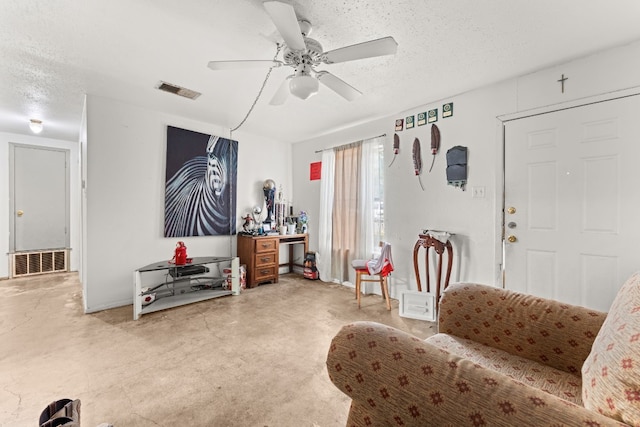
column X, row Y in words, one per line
column 418, row 305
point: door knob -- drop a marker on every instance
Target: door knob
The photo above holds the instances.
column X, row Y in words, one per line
column 511, row 210
column 512, row 239
column 20, row 213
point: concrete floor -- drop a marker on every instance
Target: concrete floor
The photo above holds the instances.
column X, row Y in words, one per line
column 257, row 359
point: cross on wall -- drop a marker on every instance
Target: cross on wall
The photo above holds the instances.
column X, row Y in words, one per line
column 561, row 81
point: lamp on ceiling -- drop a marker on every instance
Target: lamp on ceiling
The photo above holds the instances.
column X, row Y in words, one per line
column 303, row 85
column 35, row 126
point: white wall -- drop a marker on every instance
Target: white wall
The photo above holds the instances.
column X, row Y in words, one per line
column 74, row 194
column 476, row 222
column 125, row 169
column 125, row 148
column 408, row 209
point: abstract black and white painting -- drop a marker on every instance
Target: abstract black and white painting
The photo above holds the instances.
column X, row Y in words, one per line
column 200, row 185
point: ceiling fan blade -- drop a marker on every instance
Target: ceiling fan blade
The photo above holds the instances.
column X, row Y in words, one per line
column 370, row 49
column 281, row 94
column 337, row 85
column 285, row 20
column 234, row 65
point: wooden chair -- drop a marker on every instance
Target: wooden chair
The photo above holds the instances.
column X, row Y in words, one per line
column 380, row 267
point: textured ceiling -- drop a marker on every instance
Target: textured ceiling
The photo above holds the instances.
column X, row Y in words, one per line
column 53, row 52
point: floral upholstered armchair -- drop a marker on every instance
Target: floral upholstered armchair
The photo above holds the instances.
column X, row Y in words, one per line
column 500, row 359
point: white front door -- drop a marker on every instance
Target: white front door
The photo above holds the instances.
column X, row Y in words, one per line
column 39, row 198
column 572, row 202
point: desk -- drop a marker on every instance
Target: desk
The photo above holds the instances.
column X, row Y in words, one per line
column 291, row 240
column 261, row 254
column 427, row 240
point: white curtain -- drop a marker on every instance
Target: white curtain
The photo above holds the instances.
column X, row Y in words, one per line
column 368, row 191
column 358, row 218
column 323, row 257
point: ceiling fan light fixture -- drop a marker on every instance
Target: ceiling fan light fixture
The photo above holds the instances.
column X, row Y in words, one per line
column 303, row 86
column 303, row 54
column 35, row 125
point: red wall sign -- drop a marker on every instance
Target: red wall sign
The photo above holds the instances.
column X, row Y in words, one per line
column 315, row 170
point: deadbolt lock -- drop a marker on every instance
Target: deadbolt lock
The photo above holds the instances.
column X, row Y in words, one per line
column 512, row 239
column 20, row 213
column 511, row 210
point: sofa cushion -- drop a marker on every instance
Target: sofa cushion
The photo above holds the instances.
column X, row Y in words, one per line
column 611, row 372
column 551, row 380
column 542, row 330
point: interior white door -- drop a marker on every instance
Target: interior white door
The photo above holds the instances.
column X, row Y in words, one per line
column 39, row 198
column 572, row 205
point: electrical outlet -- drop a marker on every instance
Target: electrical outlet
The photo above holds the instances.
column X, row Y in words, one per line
column 477, row 192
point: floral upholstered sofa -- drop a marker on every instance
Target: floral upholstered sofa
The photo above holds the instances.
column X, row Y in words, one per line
column 500, row 358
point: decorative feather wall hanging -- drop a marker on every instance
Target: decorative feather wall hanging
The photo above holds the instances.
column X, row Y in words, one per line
column 417, row 160
column 435, row 143
column 396, row 147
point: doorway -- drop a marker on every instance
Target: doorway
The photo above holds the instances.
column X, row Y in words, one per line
column 39, row 206
column 571, row 203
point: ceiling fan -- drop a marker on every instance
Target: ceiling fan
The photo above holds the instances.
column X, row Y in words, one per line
column 303, row 54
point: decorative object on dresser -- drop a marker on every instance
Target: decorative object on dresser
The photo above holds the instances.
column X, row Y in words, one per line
column 269, row 190
column 257, row 220
column 280, row 211
column 248, row 224
column 270, row 215
column 302, row 222
column 261, row 254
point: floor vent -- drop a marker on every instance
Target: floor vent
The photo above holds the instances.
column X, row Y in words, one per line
column 29, row 263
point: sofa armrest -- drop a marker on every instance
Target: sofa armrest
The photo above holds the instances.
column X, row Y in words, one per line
column 546, row 331
column 394, row 378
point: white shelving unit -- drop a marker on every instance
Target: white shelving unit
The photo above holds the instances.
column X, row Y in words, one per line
column 182, row 285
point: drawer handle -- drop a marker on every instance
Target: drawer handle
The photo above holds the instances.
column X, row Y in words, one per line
column 265, row 271
column 265, row 259
column 265, row 245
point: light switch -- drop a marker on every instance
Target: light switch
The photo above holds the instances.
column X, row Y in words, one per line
column 477, row 192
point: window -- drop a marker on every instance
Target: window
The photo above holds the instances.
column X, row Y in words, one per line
column 378, row 200
column 352, row 206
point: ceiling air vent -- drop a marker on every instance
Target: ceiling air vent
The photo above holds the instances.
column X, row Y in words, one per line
column 171, row 88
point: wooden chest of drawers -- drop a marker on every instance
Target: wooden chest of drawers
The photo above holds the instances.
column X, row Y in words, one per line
column 260, row 254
